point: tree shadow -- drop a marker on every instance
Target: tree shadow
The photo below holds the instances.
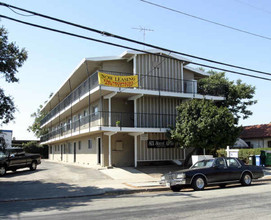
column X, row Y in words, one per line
column 27, row 196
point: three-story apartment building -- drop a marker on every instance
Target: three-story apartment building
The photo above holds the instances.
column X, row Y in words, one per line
column 95, row 124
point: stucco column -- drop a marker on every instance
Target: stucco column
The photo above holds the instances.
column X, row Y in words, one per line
column 135, row 145
column 109, row 109
column 109, row 134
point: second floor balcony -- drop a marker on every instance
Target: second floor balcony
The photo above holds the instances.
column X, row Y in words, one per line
column 118, row 120
column 146, row 82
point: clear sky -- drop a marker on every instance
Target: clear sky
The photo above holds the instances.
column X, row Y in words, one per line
column 52, row 56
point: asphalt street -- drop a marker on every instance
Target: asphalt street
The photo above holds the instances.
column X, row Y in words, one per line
column 232, row 202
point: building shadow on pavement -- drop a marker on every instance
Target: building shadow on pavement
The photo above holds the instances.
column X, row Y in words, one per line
column 27, row 196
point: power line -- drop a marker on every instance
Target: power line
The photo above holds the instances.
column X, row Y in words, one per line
column 133, row 41
column 126, row 47
column 206, row 20
column 253, row 6
column 19, row 13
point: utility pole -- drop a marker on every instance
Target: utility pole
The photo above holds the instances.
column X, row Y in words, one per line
column 142, row 29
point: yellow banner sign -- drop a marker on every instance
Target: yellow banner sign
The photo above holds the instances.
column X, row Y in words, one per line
column 117, row 81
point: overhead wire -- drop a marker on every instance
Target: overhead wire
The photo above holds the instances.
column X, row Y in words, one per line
column 206, row 20
column 105, row 33
column 253, row 6
column 126, row 47
column 19, row 13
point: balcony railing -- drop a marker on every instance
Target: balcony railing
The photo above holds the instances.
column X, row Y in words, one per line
column 118, row 119
column 145, row 82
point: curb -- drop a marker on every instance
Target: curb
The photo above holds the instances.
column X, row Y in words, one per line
column 110, row 193
column 117, row 192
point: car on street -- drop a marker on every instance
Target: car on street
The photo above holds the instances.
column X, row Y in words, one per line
column 216, row 171
column 15, row 158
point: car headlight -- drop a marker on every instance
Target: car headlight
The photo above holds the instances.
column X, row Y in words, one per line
column 180, row 176
column 163, row 177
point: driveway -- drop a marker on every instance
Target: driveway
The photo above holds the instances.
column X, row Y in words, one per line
column 51, row 179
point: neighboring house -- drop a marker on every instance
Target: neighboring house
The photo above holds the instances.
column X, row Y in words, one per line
column 257, row 136
column 91, row 123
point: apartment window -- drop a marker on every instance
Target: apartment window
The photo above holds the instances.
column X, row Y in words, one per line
column 95, row 110
column 79, row 145
column 64, row 148
column 85, row 112
column 74, row 123
column 269, row 143
column 55, row 147
column 89, row 144
column 69, row 124
column 80, row 118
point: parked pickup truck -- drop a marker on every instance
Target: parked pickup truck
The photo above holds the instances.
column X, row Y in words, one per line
column 15, row 158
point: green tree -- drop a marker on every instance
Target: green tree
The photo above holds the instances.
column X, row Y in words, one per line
column 201, row 124
column 238, row 96
column 11, row 58
column 36, row 125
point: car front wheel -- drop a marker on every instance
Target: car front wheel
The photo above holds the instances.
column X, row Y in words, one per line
column 198, row 183
column 33, row 165
column 246, row 179
column 2, row 171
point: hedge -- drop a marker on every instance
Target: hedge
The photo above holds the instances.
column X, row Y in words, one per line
column 34, row 148
column 243, row 153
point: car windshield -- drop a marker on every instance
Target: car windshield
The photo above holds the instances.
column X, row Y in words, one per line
column 203, row 163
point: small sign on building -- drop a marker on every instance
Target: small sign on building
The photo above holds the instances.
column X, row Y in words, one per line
column 160, row 144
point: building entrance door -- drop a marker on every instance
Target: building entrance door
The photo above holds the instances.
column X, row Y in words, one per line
column 61, row 150
column 99, row 150
column 74, row 152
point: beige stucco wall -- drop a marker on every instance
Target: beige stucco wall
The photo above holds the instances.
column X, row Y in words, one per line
column 84, row 156
column 119, row 158
column 118, row 65
column 188, row 75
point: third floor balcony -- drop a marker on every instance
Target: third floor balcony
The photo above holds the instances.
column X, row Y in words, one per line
column 146, row 83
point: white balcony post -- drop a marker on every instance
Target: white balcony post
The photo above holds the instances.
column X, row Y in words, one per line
column 109, row 109
column 135, row 113
column 134, row 98
column 135, row 149
column 109, row 134
column 109, row 151
column 135, row 145
column 182, row 77
column 109, row 96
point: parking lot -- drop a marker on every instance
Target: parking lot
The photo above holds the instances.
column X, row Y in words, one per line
column 51, row 179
